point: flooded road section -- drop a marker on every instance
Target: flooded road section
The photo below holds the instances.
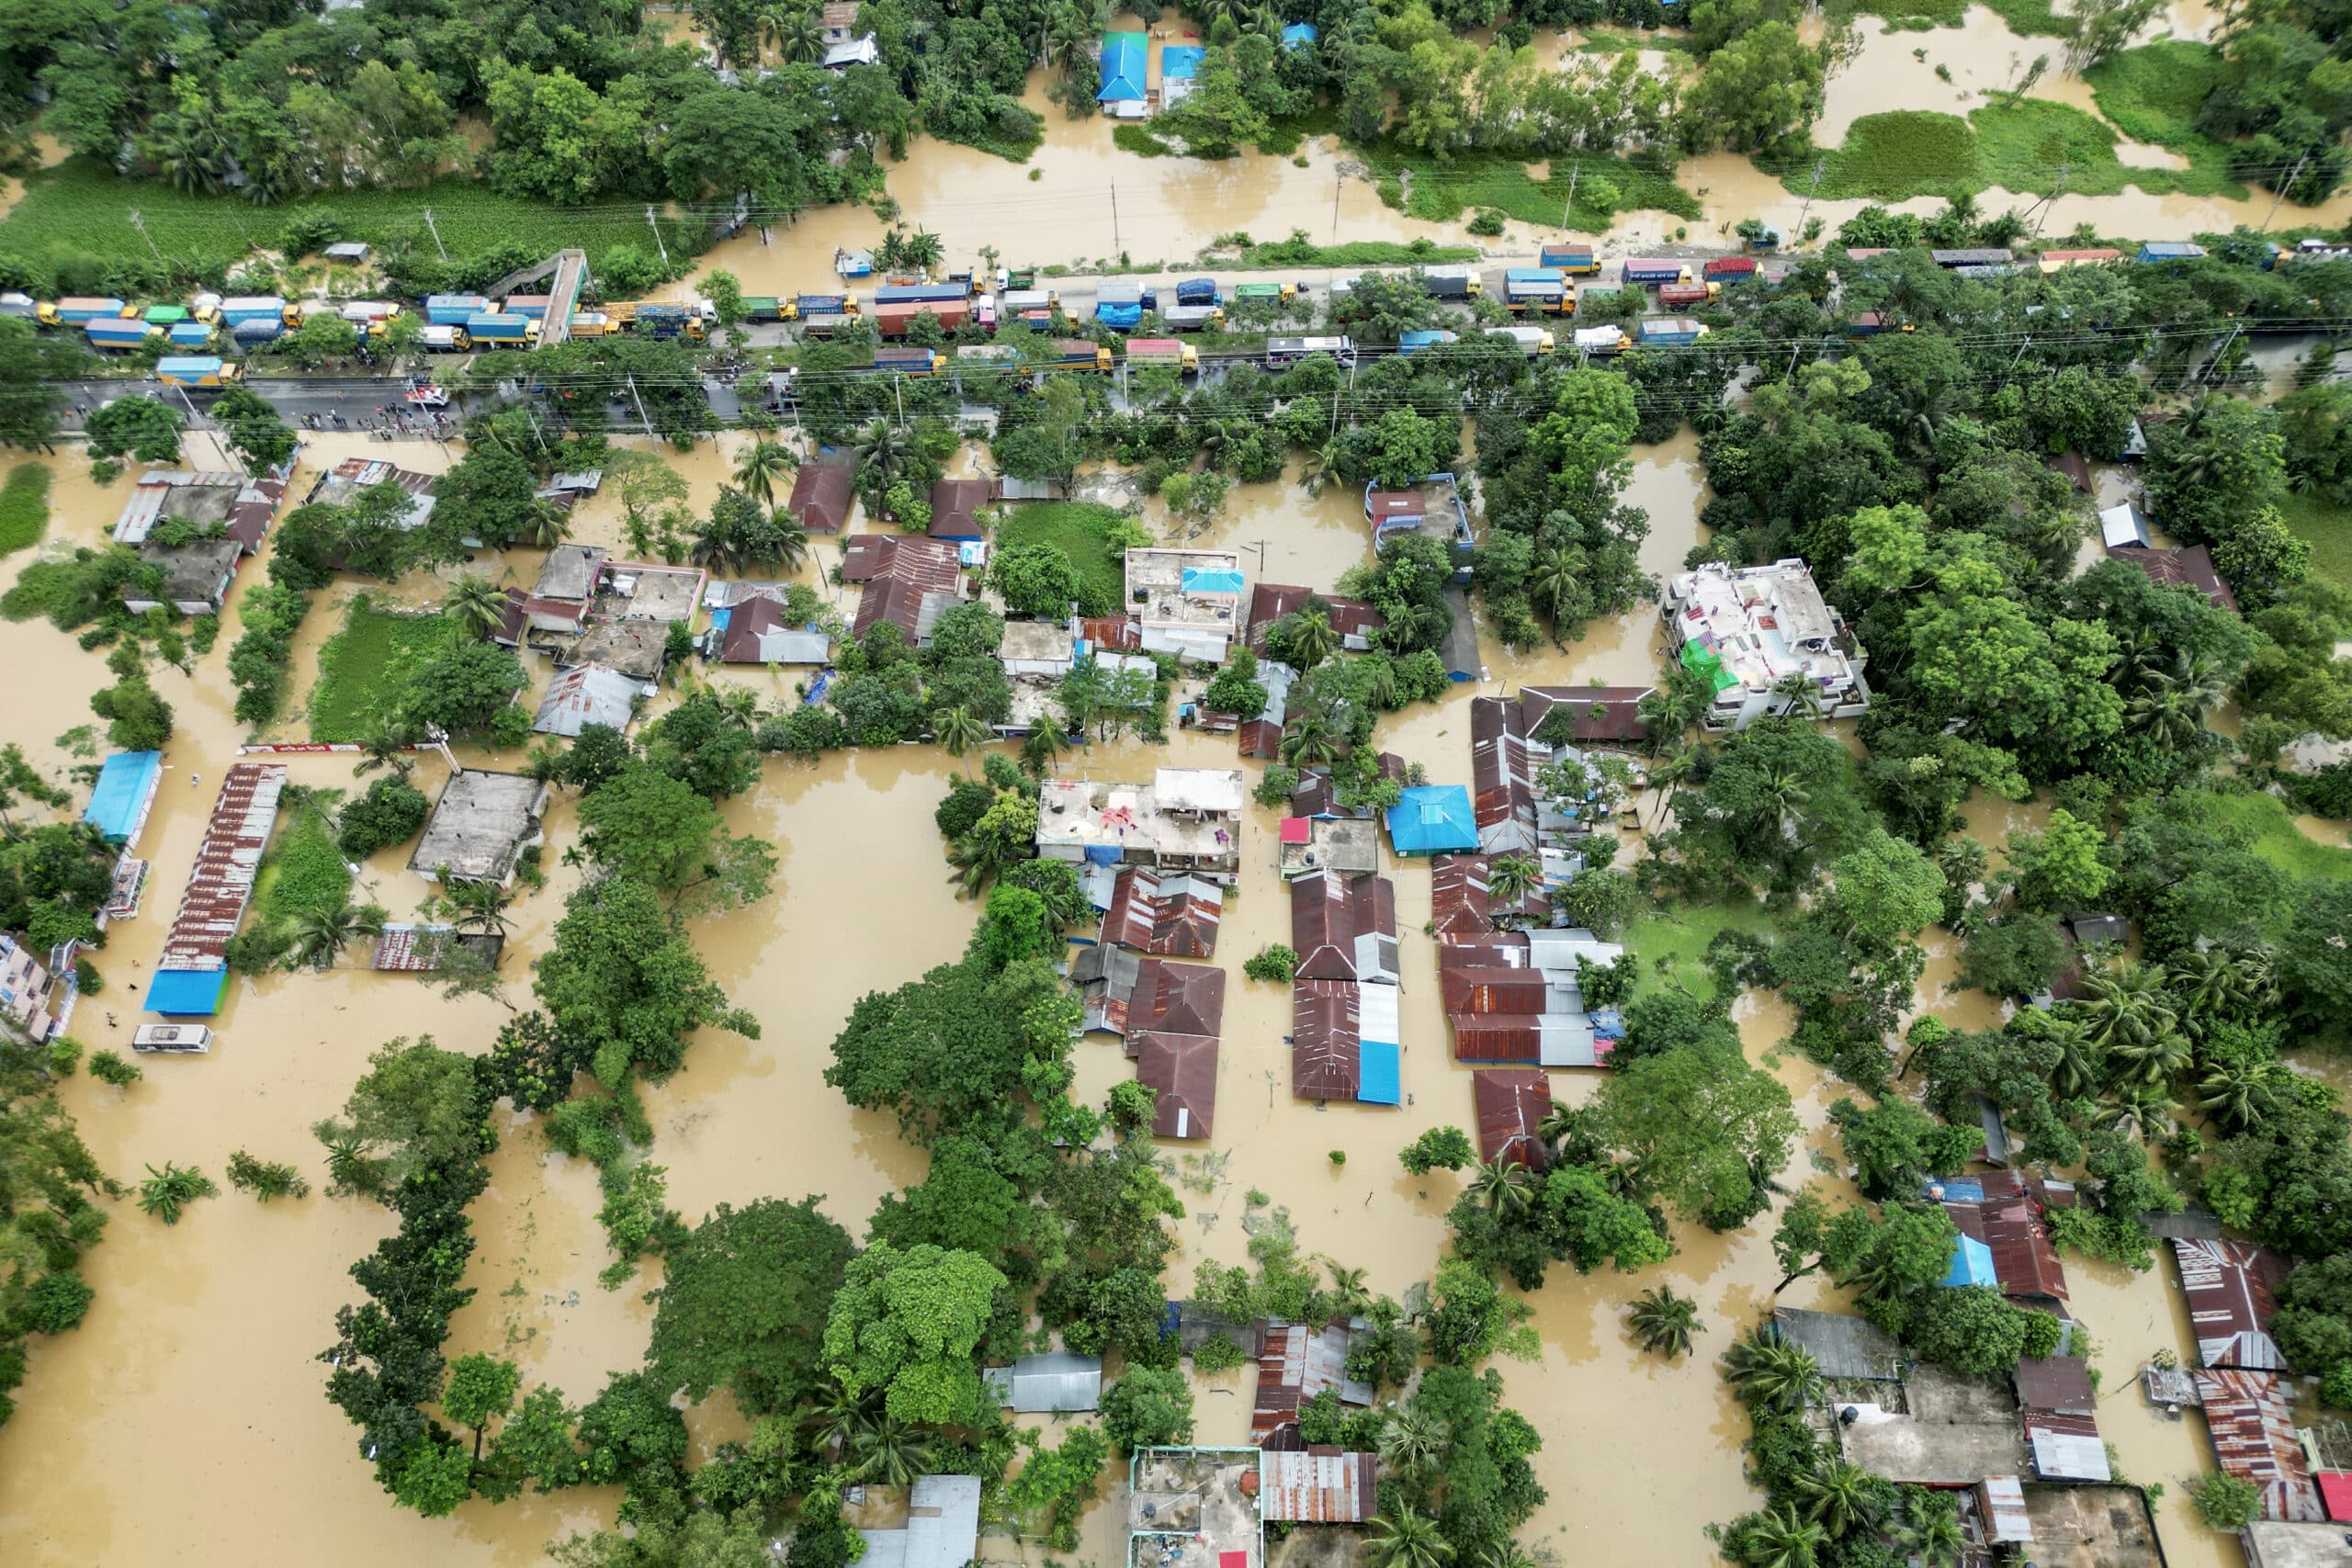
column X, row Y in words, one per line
column 198, row 1351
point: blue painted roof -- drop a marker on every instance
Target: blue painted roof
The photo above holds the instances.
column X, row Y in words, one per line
column 1297, row 33
column 1378, row 1080
column 188, row 364
column 125, row 784
column 1124, row 56
column 186, row 993
column 1211, row 580
column 1955, row 1189
column 1180, row 61
column 1971, row 1264
column 1433, row 819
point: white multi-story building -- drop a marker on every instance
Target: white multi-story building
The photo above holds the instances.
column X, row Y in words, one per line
column 1764, row 635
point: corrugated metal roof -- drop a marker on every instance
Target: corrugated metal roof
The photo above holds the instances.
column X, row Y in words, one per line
column 2231, row 1287
column 2006, row 1519
column 586, row 694
column 1344, row 928
column 1176, row 999
column 2252, row 1423
column 2027, row 1265
column 1433, row 819
column 1502, row 777
column 2055, row 1383
column 2066, row 1446
column 1844, row 1346
column 1595, row 713
column 1269, row 601
column 943, row 1527
column 226, row 861
column 1459, row 907
column 1320, row 1487
column 1058, row 1380
column 125, row 792
column 1326, row 1049
column 1294, row 1364
column 821, row 497
column 1510, row 1105
column 1181, row 1071
column 1171, row 914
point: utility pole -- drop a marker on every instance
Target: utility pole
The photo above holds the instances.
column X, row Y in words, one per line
column 641, row 419
column 654, row 223
column 2050, row 202
column 2220, row 355
column 2022, row 346
column 1338, row 182
column 141, row 224
column 898, row 397
column 435, row 230
column 1806, row 211
column 1570, row 205
column 2277, row 197
column 1116, row 245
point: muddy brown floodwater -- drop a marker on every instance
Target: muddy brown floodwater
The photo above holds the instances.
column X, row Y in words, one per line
column 185, row 1418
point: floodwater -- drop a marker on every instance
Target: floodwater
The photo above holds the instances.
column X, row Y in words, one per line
column 203, row 1335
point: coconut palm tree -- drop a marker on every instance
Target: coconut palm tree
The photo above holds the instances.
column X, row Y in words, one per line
column 1380, row 687
column 1668, row 712
column 784, row 546
column 321, row 934
column 798, row 33
column 1929, row 1529
column 836, row 1418
column 1559, row 1124
column 1767, row 1369
column 1556, row 582
column 2173, row 701
column 1310, row 640
column 386, row 744
column 761, row 464
column 1319, row 470
column 1412, row 1441
column 1837, row 1497
column 477, row 605
column 1502, row 1186
column 1310, row 742
column 1350, row 1295
column 1511, row 878
column 1041, row 747
column 2143, row 1110
column 478, row 904
column 547, row 528
column 2239, row 1095
column 1800, row 697
column 2214, row 980
column 1407, row 627
column 2128, row 1005
column 1777, row 1538
column 959, row 730
column 2078, row 1068
column 1505, row 1554
column 888, row 1453
column 1663, row 1322
column 2151, row 1060
column 1407, row 1538
column 883, row 447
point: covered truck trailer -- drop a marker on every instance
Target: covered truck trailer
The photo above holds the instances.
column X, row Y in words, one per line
column 1164, row 352
column 1544, row 290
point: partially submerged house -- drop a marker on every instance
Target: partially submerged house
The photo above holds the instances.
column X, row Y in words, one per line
column 1433, row 819
column 760, row 631
column 2189, row 567
column 1181, row 1071
column 1510, row 1104
column 1187, row 602
column 1846, row 1347
column 1943, row 1430
column 955, row 509
column 635, row 648
column 644, row 590
column 908, row 581
column 341, row 485
column 2250, row 1415
column 31, row 1001
column 1320, row 1486
column 1260, row 734
column 2123, row 524
column 1518, row 999
column 2001, row 1212
column 822, row 494
column 943, row 1527
column 1344, row 928
column 1170, row 915
column 1185, row 820
column 193, row 577
column 192, row 971
column 1502, row 776
column 1354, row 620
column 1754, row 632
column 240, row 508
column 1345, row 846
column 1430, row 510
column 1591, row 716
column 1124, row 994
column 478, row 826
column 586, row 694
column 1345, row 1041
column 1294, row 1364
column 1038, row 650
column 1056, row 1381
column 2058, row 1409
column 2232, row 1292
column 558, row 601
column 1462, row 907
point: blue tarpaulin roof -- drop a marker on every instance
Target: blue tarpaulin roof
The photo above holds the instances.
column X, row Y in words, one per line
column 1298, row 33
column 1433, row 819
column 126, row 784
column 1970, row 1265
column 186, row 993
column 1124, row 58
column 1378, row 1081
column 1956, row 1190
column 1180, row 62
column 1211, row 580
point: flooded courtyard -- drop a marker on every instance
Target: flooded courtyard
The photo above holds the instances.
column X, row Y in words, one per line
column 185, row 1418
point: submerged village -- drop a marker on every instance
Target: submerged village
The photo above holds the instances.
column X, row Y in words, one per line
column 1647, row 865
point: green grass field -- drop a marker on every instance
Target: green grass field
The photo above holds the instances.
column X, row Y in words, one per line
column 2328, row 528
column 2019, row 147
column 1670, row 942
column 24, row 507
column 357, row 666
column 2152, row 94
column 1079, row 529
column 79, row 207
column 1892, row 157
column 1439, row 193
column 2278, row 840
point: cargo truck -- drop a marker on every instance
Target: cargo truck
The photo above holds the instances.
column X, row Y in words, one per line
column 257, row 330
column 984, row 312
column 1729, row 269
column 1453, row 283
column 1285, row 352
column 446, row 340
column 535, row 306
column 1118, row 317
column 921, row 293
column 238, row 309
column 1688, row 293
column 1015, row 277
column 454, row 310
column 1122, row 305
column 767, row 308
column 902, row 361
column 983, row 354
column 1192, row 318
column 2170, row 251
column 592, row 323
column 21, row 306
column 78, row 309
column 1413, row 343
column 164, row 315
column 1578, row 261
column 369, row 312
column 1980, row 256
column 1671, row 332
column 497, row 328
column 191, row 334
column 1653, row 269
column 1531, row 341
column 1077, row 353
column 1601, row 342
column 809, row 305
column 895, row 320
column 1544, row 290
column 1265, row 293
column 663, row 322
column 195, row 370
column 118, row 332
column 1164, row 352
column 1198, row 291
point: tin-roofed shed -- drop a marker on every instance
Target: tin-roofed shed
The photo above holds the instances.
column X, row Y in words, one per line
column 822, row 495
column 1037, row 1385
column 943, row 1527
column 2232, row 1288
column 1512, row 1104
column 1319, row 1486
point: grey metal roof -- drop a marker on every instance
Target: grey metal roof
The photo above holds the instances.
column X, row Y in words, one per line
column 1846, row 1346
column 943, row 1527
column 1058, row 1381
